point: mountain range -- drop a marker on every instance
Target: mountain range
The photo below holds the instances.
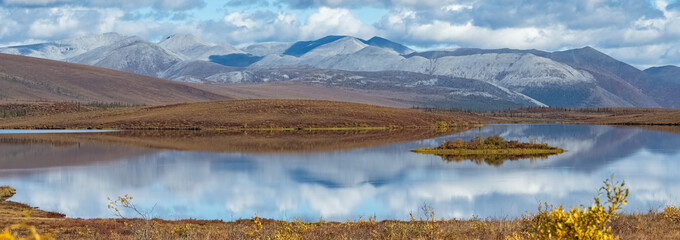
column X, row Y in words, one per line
column 466, row 78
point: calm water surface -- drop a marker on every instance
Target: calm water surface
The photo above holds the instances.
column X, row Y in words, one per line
column 386, row 181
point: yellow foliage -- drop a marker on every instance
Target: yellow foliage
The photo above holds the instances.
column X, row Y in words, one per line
column 11, row 233
column 181, row 230
column 672, row 213
column 581, row 223
column 514, row 236
column 256, row 231
column 294, row 230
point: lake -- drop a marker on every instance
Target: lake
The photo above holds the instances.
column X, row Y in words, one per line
column 74, row 175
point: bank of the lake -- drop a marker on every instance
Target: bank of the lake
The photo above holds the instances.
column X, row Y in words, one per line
column 651, row 225
column 282, row 114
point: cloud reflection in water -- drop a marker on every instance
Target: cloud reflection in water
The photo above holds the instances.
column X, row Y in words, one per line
column 388, row 181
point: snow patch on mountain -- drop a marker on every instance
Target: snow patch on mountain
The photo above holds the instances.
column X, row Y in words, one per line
column 267, row 48
column 63, row 49
column 345, row 45
column 188, row 47
column 131, row 55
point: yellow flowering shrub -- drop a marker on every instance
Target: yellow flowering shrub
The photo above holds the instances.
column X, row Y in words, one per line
column 14, row 232
column 672, row 213
column 581, row 222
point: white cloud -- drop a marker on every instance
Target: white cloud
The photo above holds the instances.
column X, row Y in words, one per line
column 239, row 20
column 58, row 20
column 174, row 5
column 334, row 21
column 8, row 25
column 456, row 7
column 35, row 2
column 620, row 27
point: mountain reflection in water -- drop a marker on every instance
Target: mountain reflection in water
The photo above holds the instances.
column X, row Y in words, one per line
column 388, row 180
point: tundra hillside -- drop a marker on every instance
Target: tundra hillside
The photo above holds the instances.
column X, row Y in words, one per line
column 246, row 114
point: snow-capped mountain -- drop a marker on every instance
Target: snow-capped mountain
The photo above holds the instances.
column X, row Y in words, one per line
column 63, row 49
column 581, row 77
column 188, row 47
column 131, row 54
column 267, row 48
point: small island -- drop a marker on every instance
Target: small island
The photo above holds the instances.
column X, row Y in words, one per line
column 494, row 145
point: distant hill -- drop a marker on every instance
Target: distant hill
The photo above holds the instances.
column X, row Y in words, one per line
column 28, row 78
column 663, row 84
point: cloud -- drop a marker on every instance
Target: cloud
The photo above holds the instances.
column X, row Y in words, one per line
column 239, row 20
column 171, row 5
column 618, row 26
column 235, row 3
column 334, row 21
column 8, row 25
column 58, row 21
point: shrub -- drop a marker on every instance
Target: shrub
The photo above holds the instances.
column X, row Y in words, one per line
column 22, row 231
column 581, row 222
column 496, row 142
column 672, row 213
column 181, row 230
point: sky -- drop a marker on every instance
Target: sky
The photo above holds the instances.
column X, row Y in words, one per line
column 640, row 32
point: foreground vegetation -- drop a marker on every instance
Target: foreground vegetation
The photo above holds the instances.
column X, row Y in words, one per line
column 494, row 145
column 601, row 220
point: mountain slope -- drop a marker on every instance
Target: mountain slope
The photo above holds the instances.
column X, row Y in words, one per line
column 190, row 48
column 27, row 78
column 246, row 114
column 407, row 89
column 130, row 55
column 63, row 49
column 663, row 83
column 384, row 43
column 267, row 48
column 617, row 77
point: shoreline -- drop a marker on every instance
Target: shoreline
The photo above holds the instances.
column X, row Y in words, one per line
column 651, row 225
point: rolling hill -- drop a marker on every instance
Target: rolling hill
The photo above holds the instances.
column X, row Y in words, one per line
column 245, row 114
column 35, row 79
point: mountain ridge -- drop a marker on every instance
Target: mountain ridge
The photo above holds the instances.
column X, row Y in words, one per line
column 583, row 77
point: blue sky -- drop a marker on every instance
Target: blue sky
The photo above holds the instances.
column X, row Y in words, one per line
column 643, row 33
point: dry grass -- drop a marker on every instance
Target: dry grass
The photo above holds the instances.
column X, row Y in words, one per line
column 245, row 114
column 626, row 226
column 293, row 90
column 604, row 116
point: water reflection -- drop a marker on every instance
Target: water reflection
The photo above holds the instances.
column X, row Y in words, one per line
column 494, row 159
column 388, row 181
column 239, row 141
